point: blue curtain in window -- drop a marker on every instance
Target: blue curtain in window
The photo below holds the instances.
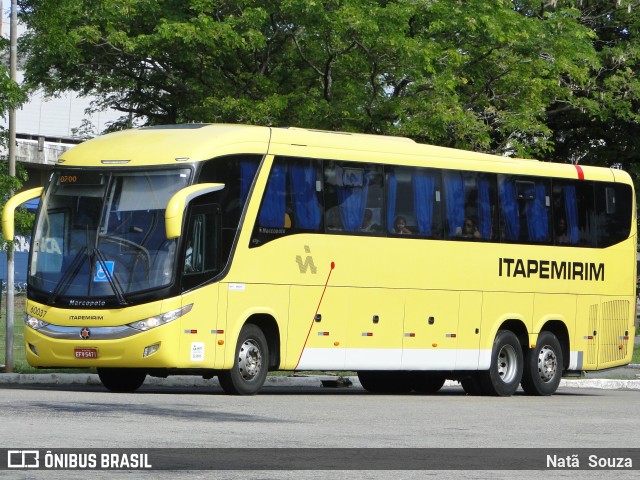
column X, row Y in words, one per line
column 273, row 208
column 352, row 202
column 509, row 209
column 305, row 200
column 423, row 188
column 536, row 212
column 392, row 193
column 454, row 191
column 571, row 209
column 247, row 172
column 484, row 209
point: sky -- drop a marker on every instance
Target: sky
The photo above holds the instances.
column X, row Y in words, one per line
column 53, row 117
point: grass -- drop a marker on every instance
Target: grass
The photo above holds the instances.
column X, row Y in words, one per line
column 21, row 365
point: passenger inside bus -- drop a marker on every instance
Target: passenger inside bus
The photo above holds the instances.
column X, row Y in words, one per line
column 561, row 232
column 468, row 229
column 400, row 226
column 368, row 225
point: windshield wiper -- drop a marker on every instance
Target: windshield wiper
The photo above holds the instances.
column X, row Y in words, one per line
column 68, row 276
column 113, row 281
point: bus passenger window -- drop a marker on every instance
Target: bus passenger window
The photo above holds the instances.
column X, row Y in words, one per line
column 613, row 210
column 353, row 193
column 471, row 205
column 413, row 198
column 291, row 201
column 524, row 209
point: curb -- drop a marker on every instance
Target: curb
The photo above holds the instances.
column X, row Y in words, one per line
column 311, row 381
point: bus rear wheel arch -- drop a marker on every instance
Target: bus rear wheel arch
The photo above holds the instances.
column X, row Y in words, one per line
column 543, row 366
column 250, row 364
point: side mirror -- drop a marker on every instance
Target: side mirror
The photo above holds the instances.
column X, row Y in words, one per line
column 177, row 204
column 8, row 212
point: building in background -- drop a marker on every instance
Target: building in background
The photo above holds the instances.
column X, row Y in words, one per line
column 45, row 128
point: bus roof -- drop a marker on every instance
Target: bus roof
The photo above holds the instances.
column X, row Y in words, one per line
column 171, row 144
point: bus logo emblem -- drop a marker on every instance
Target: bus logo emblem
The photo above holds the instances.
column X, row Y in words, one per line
column 308, row 262
column 85, row 333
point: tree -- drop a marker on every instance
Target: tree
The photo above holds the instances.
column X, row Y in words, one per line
column 11, row 96
column 509, row 77
column 605, row 127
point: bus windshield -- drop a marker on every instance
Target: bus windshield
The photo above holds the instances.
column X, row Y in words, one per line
column 102, row 234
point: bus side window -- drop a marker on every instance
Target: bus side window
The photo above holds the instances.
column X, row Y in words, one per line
column 535, row 203
column 524, row 209
column 613, row 209
column 194, row 252
column 454, row 187
column 574, row 211
column 291, row 200
column 350, row 190
column 202, row 245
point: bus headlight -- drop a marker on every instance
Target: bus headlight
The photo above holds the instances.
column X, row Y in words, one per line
column 34, row 322
column 153, row 322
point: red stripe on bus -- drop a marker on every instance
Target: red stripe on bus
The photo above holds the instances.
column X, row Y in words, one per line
column 333, row 265
column 580, row 172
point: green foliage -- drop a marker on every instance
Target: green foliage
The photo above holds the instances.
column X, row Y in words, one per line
column 529, row 78
column 23, row 219
column 11, row 96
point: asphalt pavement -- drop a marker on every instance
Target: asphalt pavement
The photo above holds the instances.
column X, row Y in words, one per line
column 619, row 378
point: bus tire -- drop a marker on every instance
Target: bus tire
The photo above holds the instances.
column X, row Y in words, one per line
column 385, row 381
column 122, row 380
column 471, row 385
column 505, row 371
column 543, row 366
column 250, row 366
column 427, row 382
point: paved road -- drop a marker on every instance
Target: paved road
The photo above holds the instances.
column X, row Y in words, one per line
column 297, row 412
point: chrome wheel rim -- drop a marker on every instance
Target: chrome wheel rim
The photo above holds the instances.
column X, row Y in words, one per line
column 547, row 364
column 507, row 363
column 249, row 359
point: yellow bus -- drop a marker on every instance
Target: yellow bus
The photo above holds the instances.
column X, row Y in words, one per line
column 230, row 251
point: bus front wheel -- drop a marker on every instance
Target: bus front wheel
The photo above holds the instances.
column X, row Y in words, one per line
column 543, row 366
column 122, row 380
column 250, row 366
column 505, row 372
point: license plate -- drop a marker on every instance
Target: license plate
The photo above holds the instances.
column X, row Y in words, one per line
column 85, row 352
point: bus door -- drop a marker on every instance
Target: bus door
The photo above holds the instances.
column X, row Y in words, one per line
column 430, row 336
column 204, row 325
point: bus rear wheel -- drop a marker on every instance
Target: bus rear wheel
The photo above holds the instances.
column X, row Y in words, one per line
column 385, row 382
column 122, row 380
column 250, row 366
column 543, row 366
column 505, row 372
column 427, row 382
column 471, row 385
